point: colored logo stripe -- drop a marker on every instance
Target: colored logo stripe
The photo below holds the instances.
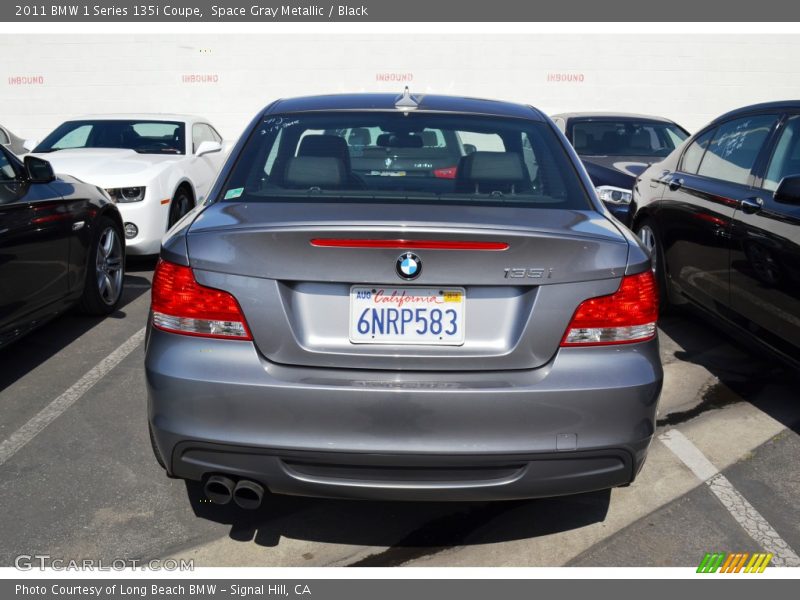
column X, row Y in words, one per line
column 758, row 563
column 735, row 562
column 711, row 562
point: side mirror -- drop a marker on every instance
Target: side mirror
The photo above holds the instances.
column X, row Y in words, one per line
column 38, row 170
column 788, row 191
column 470, row 148
column 208, row 147
column 29, row 145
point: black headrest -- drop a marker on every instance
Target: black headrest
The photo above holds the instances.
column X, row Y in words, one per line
column 315, row 171
column 580, row 140
column 392, row 140
column 359, row 136
column 492, row 166
column 331, row 146
column 611, row 142
column 429, row 139
column 641, row 140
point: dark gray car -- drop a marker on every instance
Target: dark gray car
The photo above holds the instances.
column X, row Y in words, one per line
column 616, row 148
column 407, row 298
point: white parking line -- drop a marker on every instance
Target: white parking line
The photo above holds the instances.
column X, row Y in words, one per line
column 56, row 408
column 740, row 509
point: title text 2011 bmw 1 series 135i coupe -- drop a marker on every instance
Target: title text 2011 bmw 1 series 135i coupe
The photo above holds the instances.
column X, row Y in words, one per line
column 402, row 298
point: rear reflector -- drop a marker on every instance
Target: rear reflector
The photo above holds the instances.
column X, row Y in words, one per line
column 626, row 316
column 181, row 305
column 446, row 173
column 408, row 244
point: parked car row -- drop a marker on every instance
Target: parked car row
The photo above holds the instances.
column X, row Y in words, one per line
column 412, row 297
column 615, row 148
column 123, row 181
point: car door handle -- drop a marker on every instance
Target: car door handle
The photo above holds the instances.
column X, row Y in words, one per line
column 675, row 184
column 751, row 206
column 661, row 179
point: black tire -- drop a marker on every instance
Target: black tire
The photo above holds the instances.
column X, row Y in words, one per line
column 181, row 204
column 105, row 269
column 647, row 232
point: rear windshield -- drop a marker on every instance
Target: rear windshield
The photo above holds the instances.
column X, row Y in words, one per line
column 142, row 136
column 411, row 157
column 626, row 138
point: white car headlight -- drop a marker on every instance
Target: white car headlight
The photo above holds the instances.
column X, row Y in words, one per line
column 128, row 194
column 614, row 195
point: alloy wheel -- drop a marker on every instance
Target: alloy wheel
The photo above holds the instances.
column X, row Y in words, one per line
column 109, row 269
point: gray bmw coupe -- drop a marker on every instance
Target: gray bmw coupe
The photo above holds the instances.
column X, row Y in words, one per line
column 402, row 298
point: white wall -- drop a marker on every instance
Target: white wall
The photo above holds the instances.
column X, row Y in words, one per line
column 45, row 79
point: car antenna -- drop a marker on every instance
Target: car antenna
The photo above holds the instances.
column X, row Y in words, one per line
column 406, row 101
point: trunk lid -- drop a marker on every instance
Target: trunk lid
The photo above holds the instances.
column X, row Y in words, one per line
column 296, row 296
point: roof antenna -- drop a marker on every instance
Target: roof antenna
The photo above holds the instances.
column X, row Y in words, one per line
column 406, row 101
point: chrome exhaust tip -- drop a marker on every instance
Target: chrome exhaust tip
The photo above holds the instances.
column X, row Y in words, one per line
column 248, row 494
column 219, row 489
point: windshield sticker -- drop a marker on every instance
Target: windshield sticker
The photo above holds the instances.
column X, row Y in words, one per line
column 233, row 193
column 276, row 124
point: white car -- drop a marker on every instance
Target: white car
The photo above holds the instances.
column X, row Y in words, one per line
column 156, row 167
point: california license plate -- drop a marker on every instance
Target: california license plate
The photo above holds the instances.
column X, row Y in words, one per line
column 407, row 315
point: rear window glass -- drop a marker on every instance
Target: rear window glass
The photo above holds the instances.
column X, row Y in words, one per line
column 626, row 138
column 411, row 157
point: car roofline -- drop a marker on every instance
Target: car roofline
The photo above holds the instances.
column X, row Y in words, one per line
column 382, row 102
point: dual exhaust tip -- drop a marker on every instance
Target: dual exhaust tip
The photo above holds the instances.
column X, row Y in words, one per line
column 245, row 493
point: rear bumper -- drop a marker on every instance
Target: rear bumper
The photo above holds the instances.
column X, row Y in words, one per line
column 582, row 422
column 411, row 477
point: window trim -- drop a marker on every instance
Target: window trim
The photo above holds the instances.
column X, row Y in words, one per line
column 15, row 163
column 711, row 128
column 214, row 134
column 757, row 164
column 766, row 158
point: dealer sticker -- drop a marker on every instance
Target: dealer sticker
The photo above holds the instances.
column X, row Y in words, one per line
column 233, row 193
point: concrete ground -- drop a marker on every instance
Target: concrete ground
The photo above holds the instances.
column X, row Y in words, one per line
column 87, row 485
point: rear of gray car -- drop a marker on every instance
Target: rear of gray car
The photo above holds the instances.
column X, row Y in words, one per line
column 396, row 301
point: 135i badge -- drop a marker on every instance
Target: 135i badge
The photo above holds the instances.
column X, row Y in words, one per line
column 527, row 273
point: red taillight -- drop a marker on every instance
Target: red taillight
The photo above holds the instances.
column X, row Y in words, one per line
column 626, row 316
column 181, row 305
column 446, row 173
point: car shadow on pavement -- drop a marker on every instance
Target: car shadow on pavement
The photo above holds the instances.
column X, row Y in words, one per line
column 408, row 530
column 744, row 373
column 37, row 347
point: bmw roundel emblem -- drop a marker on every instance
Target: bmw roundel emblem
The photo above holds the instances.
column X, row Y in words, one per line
column 409, row 266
